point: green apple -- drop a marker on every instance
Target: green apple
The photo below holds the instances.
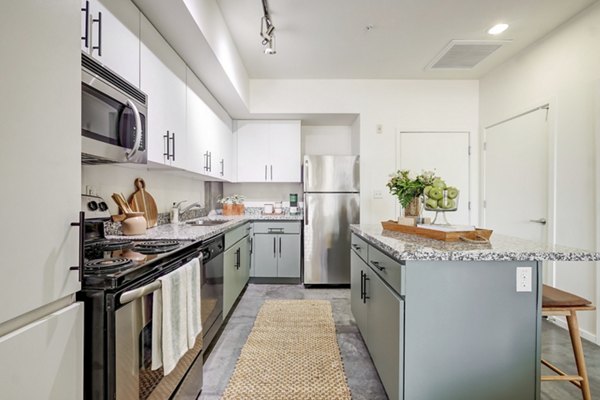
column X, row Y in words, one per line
column 436, row 193
column 452, row 192
column 426, row 190
column 431, row 203
column 439, row 183
column 446, row 204
column 451, row 204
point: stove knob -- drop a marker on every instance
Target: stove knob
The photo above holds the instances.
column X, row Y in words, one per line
column 92, row 205
column 103, row 206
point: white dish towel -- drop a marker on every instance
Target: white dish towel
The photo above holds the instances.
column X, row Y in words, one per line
column 173, row 338
column 194, row 320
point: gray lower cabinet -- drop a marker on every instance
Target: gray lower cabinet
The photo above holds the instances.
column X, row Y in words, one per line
column 236, row 266
column 276, row 250
column 379, row 315
column 452, row 330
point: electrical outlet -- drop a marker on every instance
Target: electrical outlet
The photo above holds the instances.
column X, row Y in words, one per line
column 524, row 279
column 377, row 194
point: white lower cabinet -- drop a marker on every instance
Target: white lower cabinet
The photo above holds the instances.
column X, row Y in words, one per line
column 44, row 360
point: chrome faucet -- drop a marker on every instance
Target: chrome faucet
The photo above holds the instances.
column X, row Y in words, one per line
column 187, row 208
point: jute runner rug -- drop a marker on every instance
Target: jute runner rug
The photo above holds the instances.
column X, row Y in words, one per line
column 291, row 353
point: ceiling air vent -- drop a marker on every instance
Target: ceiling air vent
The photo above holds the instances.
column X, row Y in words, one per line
column 465, row 54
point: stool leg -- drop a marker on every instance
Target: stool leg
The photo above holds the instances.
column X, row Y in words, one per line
column 578, row 351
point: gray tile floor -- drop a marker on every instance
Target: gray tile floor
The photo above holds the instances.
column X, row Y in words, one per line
column 362, row 378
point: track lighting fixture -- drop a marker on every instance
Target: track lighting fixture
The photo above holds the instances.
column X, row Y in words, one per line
column 267, row 30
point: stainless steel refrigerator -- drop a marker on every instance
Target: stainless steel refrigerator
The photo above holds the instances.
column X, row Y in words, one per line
column 331, row 204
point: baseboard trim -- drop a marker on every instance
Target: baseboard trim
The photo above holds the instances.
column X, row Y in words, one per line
column 584, row 334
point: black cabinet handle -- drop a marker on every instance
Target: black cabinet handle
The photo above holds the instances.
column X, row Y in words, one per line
column 376, row 265
column 173, row 154
column 279, row 246
column 362, row 285
column 168, row 142
column 86, row 37
column 99, row 21
column 356, row 247
column 274, row 247
column 365, row 297
column 81, row 225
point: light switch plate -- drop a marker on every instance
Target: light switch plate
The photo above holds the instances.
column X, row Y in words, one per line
column 524, row 279
column 377, row 194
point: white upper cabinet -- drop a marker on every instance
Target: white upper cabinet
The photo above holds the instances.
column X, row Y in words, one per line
column 209, row 137
column 268, row 151
column 40, row 157
column 110, row 32
column 163, row 79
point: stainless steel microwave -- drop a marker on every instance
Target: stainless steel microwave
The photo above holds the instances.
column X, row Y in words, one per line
column 113, row 117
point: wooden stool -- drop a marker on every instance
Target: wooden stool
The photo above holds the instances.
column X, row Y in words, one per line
column 558, row 302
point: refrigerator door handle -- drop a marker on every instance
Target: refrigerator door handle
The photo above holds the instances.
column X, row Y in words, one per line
column 305, row 211
column 305, row 174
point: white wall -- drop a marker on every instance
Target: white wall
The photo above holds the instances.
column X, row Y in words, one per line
column 564, row 70
column 166, row 187
column 261, row 193
column 437, row 105
column 327, row 140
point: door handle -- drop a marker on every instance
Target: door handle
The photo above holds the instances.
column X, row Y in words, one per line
column 274, row 245
column 279, row 246
column 542, row 221
column 173, row 154
column 138, row 131
column 167, row 138
column 365, row 297
column 271, row 172
column 87, row 23
column 99, row 21
column 376, row 265
column 81, row 224
column 305, row 212
column 362, row 285
column 265, row 172
column 356, row 247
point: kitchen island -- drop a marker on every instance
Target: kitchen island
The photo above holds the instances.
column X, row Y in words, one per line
column 452, row 321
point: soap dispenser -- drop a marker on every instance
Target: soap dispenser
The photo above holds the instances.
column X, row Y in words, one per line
column 175, row 214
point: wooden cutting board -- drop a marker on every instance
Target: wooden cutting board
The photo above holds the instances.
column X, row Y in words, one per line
column 477, row 236
column 141, row 200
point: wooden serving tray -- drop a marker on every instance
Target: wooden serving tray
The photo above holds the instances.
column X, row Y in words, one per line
column 477, row 236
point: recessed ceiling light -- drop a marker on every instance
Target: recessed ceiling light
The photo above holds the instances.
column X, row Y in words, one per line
column 498, row 29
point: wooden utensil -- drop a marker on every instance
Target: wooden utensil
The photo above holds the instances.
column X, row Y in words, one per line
column 141, row 200
column 120, row 200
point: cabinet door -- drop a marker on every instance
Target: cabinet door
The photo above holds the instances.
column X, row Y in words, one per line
column 284, row 151
column 40, row 154
column 357, row 304
column 197, row 131
column 230, row 278
column 44, row 360
column 245, row 261
column 163, row 79
column 265, row 255
column 252, row 151
column 384, row 312
column 118, row 35
column 288, row 263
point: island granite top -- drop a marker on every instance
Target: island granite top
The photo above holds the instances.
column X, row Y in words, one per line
column 402, row 246
column 183, row 231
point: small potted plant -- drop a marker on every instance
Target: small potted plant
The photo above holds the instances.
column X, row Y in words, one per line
column 409, row 190
column 233, row 205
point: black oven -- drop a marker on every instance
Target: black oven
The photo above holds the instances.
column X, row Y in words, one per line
column 113, row 117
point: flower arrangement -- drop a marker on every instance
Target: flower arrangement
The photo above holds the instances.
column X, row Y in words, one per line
column 233, row 199
column 406, row 188
column 233, row 205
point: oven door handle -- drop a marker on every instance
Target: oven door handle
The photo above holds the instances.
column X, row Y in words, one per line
column 135, row 294
column 138, row 130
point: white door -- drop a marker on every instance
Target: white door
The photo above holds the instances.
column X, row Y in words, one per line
column 284, row 151
column 516, row 176
column 445, row 153
column 163, row 79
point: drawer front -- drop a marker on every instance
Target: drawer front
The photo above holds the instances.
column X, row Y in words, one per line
column 359, row 246
column 234, row 235
column 277, row 227
column 389, row 269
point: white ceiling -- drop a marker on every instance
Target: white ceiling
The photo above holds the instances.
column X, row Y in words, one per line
column 328, row 38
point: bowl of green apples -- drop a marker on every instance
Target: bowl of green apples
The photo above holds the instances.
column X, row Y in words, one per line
column 440, row 197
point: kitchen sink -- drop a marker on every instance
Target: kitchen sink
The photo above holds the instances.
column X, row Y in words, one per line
column 207, row 222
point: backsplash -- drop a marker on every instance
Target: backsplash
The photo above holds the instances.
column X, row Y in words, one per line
column 114, row 228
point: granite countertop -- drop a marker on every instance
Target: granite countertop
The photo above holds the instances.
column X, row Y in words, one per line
column 403, row 246
column 183, row 231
